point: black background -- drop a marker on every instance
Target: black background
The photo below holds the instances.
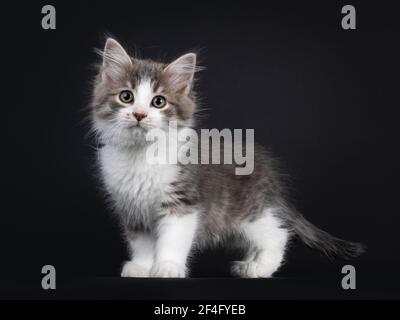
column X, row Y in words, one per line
column 323, row 99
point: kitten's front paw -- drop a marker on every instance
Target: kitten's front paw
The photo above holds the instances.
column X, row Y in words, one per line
column 133, row 270
column 250, row 269
column 168, row 269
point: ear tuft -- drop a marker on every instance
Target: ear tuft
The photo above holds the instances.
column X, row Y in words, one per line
column 181, row 72
column 115, row 59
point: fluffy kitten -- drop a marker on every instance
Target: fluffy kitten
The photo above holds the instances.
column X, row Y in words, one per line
column 167, row 210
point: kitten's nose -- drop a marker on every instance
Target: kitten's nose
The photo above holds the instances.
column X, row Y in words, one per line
column 139, row 116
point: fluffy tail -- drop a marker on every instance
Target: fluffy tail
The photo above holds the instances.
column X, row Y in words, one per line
column 316, row 238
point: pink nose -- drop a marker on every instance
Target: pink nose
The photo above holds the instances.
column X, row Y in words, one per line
column 139, row 116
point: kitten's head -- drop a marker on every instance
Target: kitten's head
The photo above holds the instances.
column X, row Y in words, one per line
column 132, row 96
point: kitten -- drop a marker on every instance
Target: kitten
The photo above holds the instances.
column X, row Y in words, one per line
column 168, row 210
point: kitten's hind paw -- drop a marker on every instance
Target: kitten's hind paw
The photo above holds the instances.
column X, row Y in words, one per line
column 133, row 270
column 251, row 269
column 168, row 269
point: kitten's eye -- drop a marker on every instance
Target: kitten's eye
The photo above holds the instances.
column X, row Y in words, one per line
column 159, row 102
column 126, row 96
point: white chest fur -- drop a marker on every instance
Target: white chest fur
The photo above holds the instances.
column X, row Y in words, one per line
column 136, row 185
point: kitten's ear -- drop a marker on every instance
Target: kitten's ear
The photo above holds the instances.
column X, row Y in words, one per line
column 115, row 60
column 181, row 72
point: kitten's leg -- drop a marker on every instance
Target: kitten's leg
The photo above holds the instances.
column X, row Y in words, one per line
column 175, row 236
column 142, row 255
column 267, row 242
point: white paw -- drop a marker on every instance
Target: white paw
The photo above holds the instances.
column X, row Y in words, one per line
column 133, row 270
column 251, row 269
column 168, row 269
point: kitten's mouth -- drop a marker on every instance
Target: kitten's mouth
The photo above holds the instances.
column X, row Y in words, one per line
column 136, row 126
